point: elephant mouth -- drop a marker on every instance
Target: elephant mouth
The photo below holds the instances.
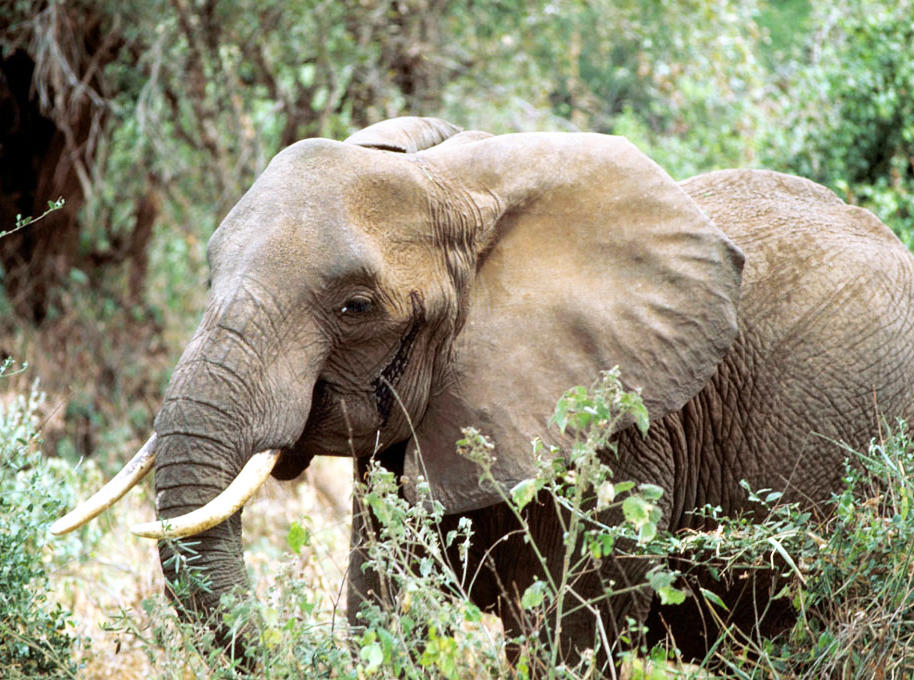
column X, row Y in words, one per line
column 336, row 421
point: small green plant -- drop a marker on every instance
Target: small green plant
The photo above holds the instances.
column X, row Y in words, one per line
column 857, row 600
column 178, row 641
column 434, row 613
column 286, row 633
column 34, row 640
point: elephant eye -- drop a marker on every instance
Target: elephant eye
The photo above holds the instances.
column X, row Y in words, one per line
column 356, row 305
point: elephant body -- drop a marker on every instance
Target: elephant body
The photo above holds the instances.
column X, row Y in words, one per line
column 372, row 297
column 821, row 359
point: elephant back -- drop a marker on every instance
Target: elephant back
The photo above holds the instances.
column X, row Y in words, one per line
column 804, row 245
column 825, row 349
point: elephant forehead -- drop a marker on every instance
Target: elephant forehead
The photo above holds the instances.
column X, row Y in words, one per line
column 330, row 208
column 321, row 187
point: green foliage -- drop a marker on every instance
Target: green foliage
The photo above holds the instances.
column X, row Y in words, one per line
column 578, row 483
column 857, row 606
column 847, row 119
column 34, row 641
column 849, row 579
column 433, row 612
column 681, row 80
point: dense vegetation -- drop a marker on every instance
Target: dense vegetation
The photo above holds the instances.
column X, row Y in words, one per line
column 150, row 118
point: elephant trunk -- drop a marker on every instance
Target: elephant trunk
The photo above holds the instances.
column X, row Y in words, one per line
column 193, row 471
column 197, row 457
column 224, row 403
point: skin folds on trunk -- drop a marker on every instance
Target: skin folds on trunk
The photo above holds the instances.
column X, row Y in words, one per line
column 223, row 404
column 191, row 470
column 205, row 436
column 225, row 401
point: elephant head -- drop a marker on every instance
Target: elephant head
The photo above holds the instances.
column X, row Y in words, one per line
column 416, row 279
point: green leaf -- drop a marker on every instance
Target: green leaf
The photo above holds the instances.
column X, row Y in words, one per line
column 380, row 508
column 298, row 537
column 78, row 276
column 471, row 612
column 636, row 510
column 622, row 487
column 651, row 492
column 773, row 496
column 372, row 655
column 601, row 545
column 534, row 595
column 523, row 492
column 661, row 581
column 319, row 100
column 632, row 404
column 713, row 598
column 560, row 416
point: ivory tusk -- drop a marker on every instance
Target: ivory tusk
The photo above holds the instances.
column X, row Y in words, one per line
column 223, row 506
column 109, row 494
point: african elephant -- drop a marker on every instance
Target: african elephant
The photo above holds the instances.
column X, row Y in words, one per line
column 373, row 296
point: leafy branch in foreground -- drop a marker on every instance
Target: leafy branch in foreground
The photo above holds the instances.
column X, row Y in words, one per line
column 847, row 582
column 23, row 222
column 599, row 517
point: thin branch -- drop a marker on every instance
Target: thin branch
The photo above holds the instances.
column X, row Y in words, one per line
column 23, row 222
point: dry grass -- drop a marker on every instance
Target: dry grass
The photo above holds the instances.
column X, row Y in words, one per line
column 123, row 569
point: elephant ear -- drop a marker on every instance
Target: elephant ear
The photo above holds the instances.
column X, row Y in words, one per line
column 587, row 255
column 407, row 134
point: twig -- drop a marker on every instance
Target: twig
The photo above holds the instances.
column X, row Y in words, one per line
column 23, row 222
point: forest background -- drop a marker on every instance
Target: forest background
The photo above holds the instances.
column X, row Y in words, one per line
column 150, row 118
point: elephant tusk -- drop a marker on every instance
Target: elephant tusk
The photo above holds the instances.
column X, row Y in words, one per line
column 109, row 494
column 223, row 506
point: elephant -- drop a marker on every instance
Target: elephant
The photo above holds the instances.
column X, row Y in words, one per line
column 371, row 297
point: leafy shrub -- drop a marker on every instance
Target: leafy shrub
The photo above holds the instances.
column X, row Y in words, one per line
column 34, row 641
column 848, row 118
column 849, row 580
column 857, row 604
column 434, row 613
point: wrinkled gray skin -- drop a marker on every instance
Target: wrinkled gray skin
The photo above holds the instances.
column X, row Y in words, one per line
column 478, row 277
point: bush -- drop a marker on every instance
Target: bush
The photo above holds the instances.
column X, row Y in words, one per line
column 34, row 641
column 849, row 580
column 857, row 604
column 848, row 119
column 434, row 612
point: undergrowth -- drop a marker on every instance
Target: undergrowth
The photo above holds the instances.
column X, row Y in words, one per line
column 847, row 582
column 35, row 640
